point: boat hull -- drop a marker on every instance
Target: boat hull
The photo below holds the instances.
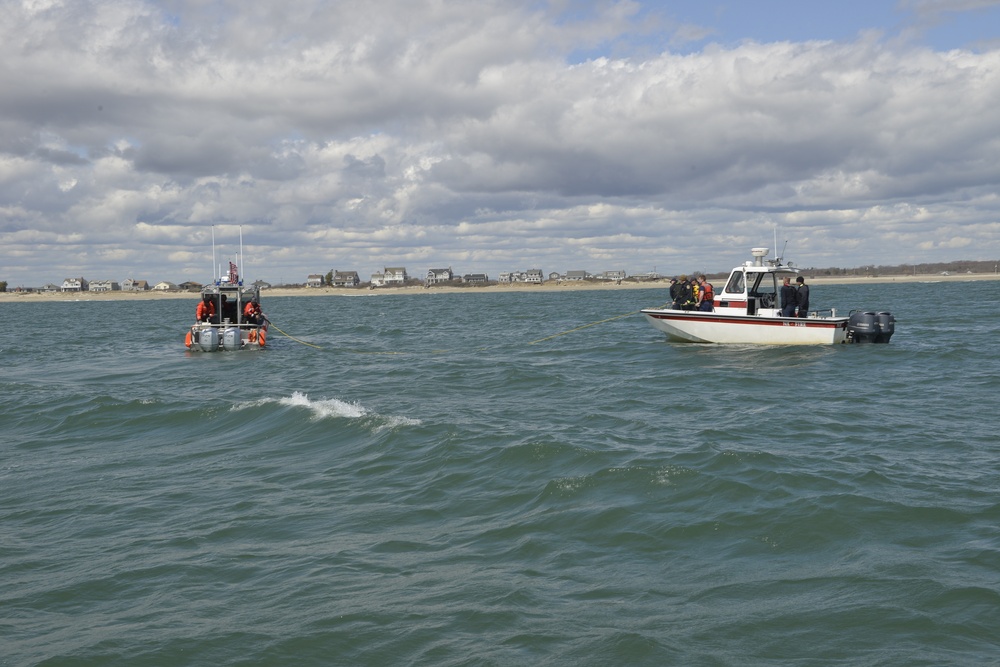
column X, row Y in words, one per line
column 708, row 327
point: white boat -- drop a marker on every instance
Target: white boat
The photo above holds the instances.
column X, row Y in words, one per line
column 227, row 326
column 747, row 310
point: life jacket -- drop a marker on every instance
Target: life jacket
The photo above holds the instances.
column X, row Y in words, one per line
column 251, row 309
column 708, row 291
column 695, row 292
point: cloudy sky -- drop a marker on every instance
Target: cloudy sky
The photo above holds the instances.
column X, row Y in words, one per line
column 493, row 135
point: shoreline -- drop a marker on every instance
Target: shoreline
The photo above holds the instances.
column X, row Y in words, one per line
column 488, row 289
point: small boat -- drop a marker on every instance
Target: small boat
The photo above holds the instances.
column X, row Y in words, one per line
column 229, row 328
column 747, row 310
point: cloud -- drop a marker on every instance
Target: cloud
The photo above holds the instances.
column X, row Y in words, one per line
column 356, row 136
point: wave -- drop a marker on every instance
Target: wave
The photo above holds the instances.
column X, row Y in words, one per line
column 332, row 408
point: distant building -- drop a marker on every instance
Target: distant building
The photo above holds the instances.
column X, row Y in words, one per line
column 612, row 275
column 377, row 279
column 103, row 286
column 346, row 279
column 436, row 276
column 189, row 286
column 165, row 286
column 395, row 275
column 315, row 280
column 132, row 285
column 48, row 288
column 577, row 275
column 74, row 285
column 533, row 276
column 475, row 278
column 555, row 276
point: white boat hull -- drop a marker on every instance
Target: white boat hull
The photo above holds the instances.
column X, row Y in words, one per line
column 709, row 327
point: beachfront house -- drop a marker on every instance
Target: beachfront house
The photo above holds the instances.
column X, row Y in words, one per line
column 74, row 285
column 555, row 276
column 132, row 285
column 438, row 276
column 395, row 276
column 165, row 286
column 577, row 275
column 346, row 279
column 533, row 276
column 314, row 280
column 49, row 288
column 475, row 278
column 190, row 286
column 104, row 286
column 377, row 279
column 612, row 275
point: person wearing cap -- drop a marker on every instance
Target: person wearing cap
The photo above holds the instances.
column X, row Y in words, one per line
column 802, row 297
column 683, row 296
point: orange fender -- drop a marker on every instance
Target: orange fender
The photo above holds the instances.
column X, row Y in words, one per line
column 252, row 336
column 261, row 335
column 187, row 339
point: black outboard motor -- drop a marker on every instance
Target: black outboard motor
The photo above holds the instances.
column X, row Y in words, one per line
column 886, row 326
column 862, row 328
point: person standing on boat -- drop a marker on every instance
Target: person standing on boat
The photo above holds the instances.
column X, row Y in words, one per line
column 706, row 294
column 205, row 310
column 802, row 297
column 684, row 297
column 787, row 298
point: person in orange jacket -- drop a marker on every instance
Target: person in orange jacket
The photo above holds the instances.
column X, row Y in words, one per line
column 206, row 309
column 252, row 312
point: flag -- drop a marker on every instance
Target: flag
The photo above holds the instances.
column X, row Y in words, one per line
column 234, row 275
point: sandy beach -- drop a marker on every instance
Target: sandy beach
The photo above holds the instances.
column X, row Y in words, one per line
column 562, row 286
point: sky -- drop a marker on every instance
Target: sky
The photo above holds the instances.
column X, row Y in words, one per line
column 491, row 136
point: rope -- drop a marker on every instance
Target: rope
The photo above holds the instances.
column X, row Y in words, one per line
column 616, row 317
column 540, row 340
column 291, row 336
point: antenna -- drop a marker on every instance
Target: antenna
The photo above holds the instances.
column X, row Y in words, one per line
column 240, row 259
column 213, row 274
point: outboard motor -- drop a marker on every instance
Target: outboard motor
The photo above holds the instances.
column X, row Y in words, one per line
column 231, row 339
column 208, row 339
column 886, row 326
column 862, row 328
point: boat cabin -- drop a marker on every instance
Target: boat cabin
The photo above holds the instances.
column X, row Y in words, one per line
column 753, row 289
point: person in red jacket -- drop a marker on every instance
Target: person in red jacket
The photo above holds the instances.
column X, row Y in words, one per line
column 252, row 312
column 206, row 309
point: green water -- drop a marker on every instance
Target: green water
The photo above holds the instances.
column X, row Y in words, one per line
column 428, row 488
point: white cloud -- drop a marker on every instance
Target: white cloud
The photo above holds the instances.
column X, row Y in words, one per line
column 362, row 135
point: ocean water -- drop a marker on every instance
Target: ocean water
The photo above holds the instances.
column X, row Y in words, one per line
column 443, row 479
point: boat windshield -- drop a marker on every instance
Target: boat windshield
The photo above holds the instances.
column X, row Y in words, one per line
column 764, row 285
column 735, row 284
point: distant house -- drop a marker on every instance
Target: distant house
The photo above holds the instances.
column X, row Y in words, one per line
column 104, row 286
column 164, row 286
column 577, row 275
column 533, row 276
column 475, row 278
column 612, row 275
column 189, row 286
column 437, row 276
column 505, row 277
column 346, row 279
column 395, row 275
column 261, row 284
column 74, row 285
column 315, row 280
column 132, row 285
column 555, row 276
column 48, row 288
column 377, row 279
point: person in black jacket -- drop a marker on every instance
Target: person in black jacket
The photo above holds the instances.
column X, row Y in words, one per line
column 787, row 298
column 802, row 297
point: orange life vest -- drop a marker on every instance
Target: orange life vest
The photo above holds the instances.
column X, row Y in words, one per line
column 708, row 291
column 204, row 308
